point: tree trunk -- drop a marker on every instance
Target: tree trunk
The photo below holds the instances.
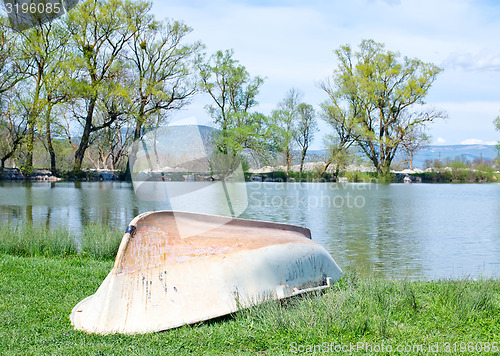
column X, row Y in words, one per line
column 302, row 159
column 50, row 147
column 84, row 143
column 9, row 154
column 384, row 169
column 288, row 161
column 327, row 164
column 28, row 165
column 337, row 171
column 32, row 117
column 139, row 121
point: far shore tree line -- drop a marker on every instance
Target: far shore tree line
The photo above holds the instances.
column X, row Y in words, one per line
column 77, row 92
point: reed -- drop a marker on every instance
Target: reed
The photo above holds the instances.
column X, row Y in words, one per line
column 99, row 242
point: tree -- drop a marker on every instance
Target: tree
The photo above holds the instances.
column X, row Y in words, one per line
column 11, row 72
column 345, row 135
column 41, row 54
column 233, row 92
column 12, row 126
column 13, row 129
column 374, row 93
column 285, row 117
column 414, row 140
column 110, row 143
column 162, row 69
column 99, row 31
column 306, row 129
column 338, row 154
column 55, row 84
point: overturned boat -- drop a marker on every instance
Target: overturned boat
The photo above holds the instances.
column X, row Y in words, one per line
column 176, row 268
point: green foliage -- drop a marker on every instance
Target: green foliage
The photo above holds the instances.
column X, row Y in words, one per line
column 367, row 177
column 460, row 171
column 306, row 129
column 234, row 93
column 104, row 67
column 486, row 175
column 371, row 99
column 162, row 67
column 285, row 119
column 98, row 33
column 295, row 125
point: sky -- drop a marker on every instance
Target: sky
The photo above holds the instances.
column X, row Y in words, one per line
column 291, row 44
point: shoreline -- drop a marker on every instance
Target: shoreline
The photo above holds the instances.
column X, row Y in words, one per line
column 446, row 175
column 45, row 175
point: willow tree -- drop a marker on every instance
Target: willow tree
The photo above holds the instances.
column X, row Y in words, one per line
column 99, row 32
column 162, row 66
column 285, row 118
column 41, row 53
column 11, row 70
column 233, row 92
column 379, row 95
column 12, row 126
column 306, row 128
column 416, row 139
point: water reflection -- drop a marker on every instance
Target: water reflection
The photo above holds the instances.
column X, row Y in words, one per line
column 418, row 230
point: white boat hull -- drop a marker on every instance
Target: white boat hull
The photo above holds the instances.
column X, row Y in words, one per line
column 163, row 280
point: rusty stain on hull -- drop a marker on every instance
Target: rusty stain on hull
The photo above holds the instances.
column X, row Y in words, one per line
column 217, row 265
column 157, row 241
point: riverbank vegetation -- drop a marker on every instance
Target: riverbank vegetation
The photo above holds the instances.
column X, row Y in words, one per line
column 460, row 170
column 78, row 91
column 38, row 294
column 97, row 242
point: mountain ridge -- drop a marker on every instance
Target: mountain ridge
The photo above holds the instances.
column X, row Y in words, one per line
column 432, row 152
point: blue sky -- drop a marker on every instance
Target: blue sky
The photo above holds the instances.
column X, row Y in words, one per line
column 291, row 44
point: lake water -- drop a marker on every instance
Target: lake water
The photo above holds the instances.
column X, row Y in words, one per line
column 424, row 231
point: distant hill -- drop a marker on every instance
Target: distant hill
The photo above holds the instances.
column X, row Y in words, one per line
column 184, row 135
column 449, row 152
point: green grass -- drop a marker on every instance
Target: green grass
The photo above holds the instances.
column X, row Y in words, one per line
column 99, row 242
column 38, row 293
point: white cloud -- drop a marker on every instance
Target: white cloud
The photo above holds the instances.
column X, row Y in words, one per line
column 441, row 141
column 483, row 60
column 476, row 141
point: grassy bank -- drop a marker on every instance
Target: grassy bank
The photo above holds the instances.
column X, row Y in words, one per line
column 38, row 293
column 98, row 242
